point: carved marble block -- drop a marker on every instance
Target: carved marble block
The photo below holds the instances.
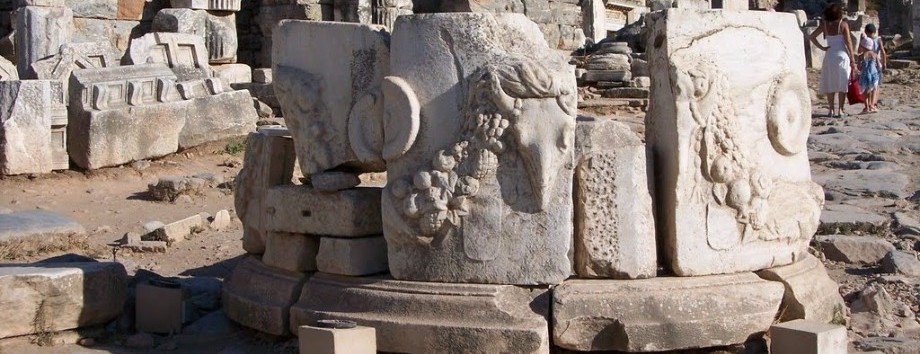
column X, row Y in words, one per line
column 479, row 125
column 328, row 80
column 40, row 31
column 27, row 110
column 727, row 130
column 185, row 54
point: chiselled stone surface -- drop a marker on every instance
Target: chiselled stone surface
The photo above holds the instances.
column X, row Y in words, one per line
column 75, row 56
column 37, row 225
column 181, row 21
column 185, row 53
column 112, row 119
column 352, row 256
column 221, row 38
column 810, row 293
column 482, row 193
column 291, row 252
column 40, row 32
column 421, row 317
column 216, row 117
column 614, row 226
column 218, row 5
column 329, row 86
column 801, row 336
column 727, row 129
column 260, row 297
column 301, row 209
column 268, row 162
column 26, row 117
column 662, row 313
column 60, row 296
column 233, row 73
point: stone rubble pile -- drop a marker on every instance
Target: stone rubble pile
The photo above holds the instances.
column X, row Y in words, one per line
column 508, row 225
column 109, row 101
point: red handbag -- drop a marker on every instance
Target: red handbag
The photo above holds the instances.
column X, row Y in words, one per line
column 854, row 94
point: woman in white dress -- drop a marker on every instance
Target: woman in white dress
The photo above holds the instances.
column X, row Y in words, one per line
column 839, row 61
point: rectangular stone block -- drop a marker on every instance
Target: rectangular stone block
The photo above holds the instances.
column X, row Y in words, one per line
column 614, row 225
column 26, row 116
column 216, row 117
column 329, row 88
column 101, row 88
column 810, row 293
column 184, row 53
column 107, row 9
column 352, row 256
column 430, row 317
column 37, row 225
column 662, row 314
column 159, row 309
column 60, row 296
column 300, row 209
column 291, row 252
column 217, row 5
column 177, row 231
column 594, row 19
column 268, row 162
column 357, row 340
column 808, row 337
column 728, row 137
column 221, row 39
column 181, row 21
column 233, row 73
column 40, row 32
column 118, row 33
column 260, row 297
column 113, row 137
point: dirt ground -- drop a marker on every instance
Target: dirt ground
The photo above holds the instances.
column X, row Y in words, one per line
column 113, row 201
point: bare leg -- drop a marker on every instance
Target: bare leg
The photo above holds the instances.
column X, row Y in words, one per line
column 842, row 97
column 830, row 105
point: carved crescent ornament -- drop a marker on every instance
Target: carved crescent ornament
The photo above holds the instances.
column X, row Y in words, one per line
column 401, row 117
column 788, row 117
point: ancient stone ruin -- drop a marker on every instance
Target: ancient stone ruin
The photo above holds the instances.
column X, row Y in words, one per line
column 510, row 224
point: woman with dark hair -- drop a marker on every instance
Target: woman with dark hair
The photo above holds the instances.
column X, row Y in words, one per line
column 838, row 61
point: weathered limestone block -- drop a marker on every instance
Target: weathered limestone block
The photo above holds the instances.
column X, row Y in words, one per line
column 219, row 116
column 60, row 296
column 218, row 5
column 8, row 70
column 271, row 14
column 27, row 111
column 37, row 226
column 810, row 293
column 614, row 225
column 808, row 337
column 300, row 209
column 177, row 231
column 352, row 256
column 116, row 115
column 594, row 20
column 320, row 340
column 329, row 85
column 107, row 9
column 117, row 32
column 260, row 297
column 268, row 162
column 727, row 128
column 492, row 180
column 185, row 53
column 40, row 32
column 233, row 73
column 221, row 39
column 386, row 11
column 663, row 313
column 181, row 21
column 291, row 252
column 421, row 317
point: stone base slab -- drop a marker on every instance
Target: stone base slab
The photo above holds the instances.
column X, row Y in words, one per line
column 422, row 318
column 260, row 297
column 663, row 313
column 811, row 294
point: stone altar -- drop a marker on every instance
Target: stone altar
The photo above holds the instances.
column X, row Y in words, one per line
column 499, row 204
